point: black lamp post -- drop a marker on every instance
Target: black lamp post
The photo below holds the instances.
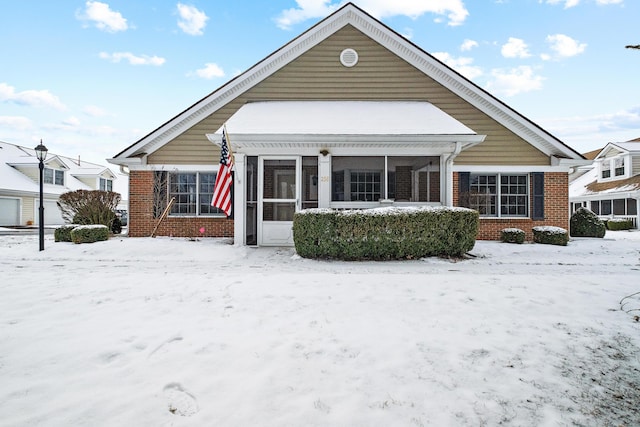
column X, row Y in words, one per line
column 41, row 154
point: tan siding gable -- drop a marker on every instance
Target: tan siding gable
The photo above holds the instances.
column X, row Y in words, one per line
column 379, row 75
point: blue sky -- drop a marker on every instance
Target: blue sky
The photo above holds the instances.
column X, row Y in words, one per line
column 92, row 77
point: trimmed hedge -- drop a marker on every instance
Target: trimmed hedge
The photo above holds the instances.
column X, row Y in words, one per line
column 385, row 233
column 550, row 235
column 616, row 224
column 512, row 235
column 63, row 233
column 584, row 223
column 89, row 233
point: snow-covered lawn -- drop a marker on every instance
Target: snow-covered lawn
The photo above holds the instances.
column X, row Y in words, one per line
column 172, row 332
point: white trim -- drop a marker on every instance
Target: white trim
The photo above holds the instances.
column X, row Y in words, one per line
column 177, row 168
column 508, row 169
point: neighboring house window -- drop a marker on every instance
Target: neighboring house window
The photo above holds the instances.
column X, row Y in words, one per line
column 53, row 176
column 192, row 192
column 372, row 178
column 606, row 168
column 615, row 207
column 106, row 184
column 619, row 166
column 499, row 194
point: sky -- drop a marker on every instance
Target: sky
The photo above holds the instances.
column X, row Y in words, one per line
column 90, row 78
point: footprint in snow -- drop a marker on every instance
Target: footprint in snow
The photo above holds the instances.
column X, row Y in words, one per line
column 180, row 401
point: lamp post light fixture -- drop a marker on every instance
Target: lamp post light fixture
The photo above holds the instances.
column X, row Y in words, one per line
column 41, row 154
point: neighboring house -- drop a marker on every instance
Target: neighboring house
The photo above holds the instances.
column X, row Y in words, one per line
column 611, row 186
column 20, row 184
column 349, row 114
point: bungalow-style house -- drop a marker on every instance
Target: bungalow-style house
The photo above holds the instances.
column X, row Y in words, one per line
column 610, row 187
column 20, row 184
column 349, row 114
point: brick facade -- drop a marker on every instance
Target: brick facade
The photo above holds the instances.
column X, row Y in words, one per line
column 142, row 221
column 556, row 209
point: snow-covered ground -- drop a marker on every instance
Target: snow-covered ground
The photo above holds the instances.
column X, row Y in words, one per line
column 172, row 332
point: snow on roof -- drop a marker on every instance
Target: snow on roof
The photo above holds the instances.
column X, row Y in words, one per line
column 12, row 180
column 344, row 118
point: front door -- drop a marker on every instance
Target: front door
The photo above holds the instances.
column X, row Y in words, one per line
column 279, row 196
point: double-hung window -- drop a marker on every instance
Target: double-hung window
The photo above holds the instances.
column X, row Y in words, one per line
column 499, row 195
column 106, row 184
column 53, row 176
column 606, row 168
column 618, row 166
column 192, row 192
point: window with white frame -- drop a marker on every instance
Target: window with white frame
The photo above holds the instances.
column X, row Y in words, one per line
column 192, row 192
column 106, row 184
column 618, row 166
column 499, row 195
column 615, row 207
column 372, row 178
column 605, row 166
column 53, row 176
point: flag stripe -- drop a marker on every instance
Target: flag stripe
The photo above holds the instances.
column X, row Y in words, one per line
column 222, row 188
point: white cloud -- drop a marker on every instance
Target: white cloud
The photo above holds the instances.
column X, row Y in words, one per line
column 606, row 2
column 31, row 98
column 133, row 59
column 103, row 17
column 71, row 122
column 468, row 44
column 209, row 71
column 514, row 81
column 192, row 21
column 515, row 48
column 94, row 111
column 15, row 122
column 462, row 65
column 567, row 3
column 308, row 9
column 564, row 46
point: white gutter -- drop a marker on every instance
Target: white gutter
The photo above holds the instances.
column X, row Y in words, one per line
column 448, row 165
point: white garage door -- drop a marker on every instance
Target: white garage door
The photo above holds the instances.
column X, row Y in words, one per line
column 9, row 211
column 52, row 215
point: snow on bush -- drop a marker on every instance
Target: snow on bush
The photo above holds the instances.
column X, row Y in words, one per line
column 550, row 235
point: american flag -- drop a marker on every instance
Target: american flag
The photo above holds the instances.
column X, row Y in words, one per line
column 222, row 188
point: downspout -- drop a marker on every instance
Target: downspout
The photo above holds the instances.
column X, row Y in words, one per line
column 448, row 165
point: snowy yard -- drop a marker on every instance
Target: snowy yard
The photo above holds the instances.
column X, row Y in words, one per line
column 172, row 332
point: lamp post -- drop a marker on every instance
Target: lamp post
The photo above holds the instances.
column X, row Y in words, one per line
column 41, row 154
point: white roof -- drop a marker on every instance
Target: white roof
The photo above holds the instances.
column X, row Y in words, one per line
column 12, row 181
column 344, row 118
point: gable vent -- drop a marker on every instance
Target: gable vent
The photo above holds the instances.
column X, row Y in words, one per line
column 349, row 57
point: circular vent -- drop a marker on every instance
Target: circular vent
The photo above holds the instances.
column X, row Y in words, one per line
column 349, row 57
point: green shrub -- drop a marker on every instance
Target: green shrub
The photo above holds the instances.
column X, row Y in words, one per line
column 550, row 235
column 63, row 233
column 584, row 223
column 615, row 224
column 512, row 235
column 385, row 233
column 89, row 233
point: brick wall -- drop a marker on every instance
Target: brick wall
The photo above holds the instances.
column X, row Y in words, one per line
column 142, row 222
column 556, row 209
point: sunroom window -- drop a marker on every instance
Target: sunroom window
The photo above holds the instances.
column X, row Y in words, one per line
column 192, row 192
column 373, row 178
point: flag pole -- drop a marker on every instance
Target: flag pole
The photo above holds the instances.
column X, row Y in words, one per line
column 231, row 155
